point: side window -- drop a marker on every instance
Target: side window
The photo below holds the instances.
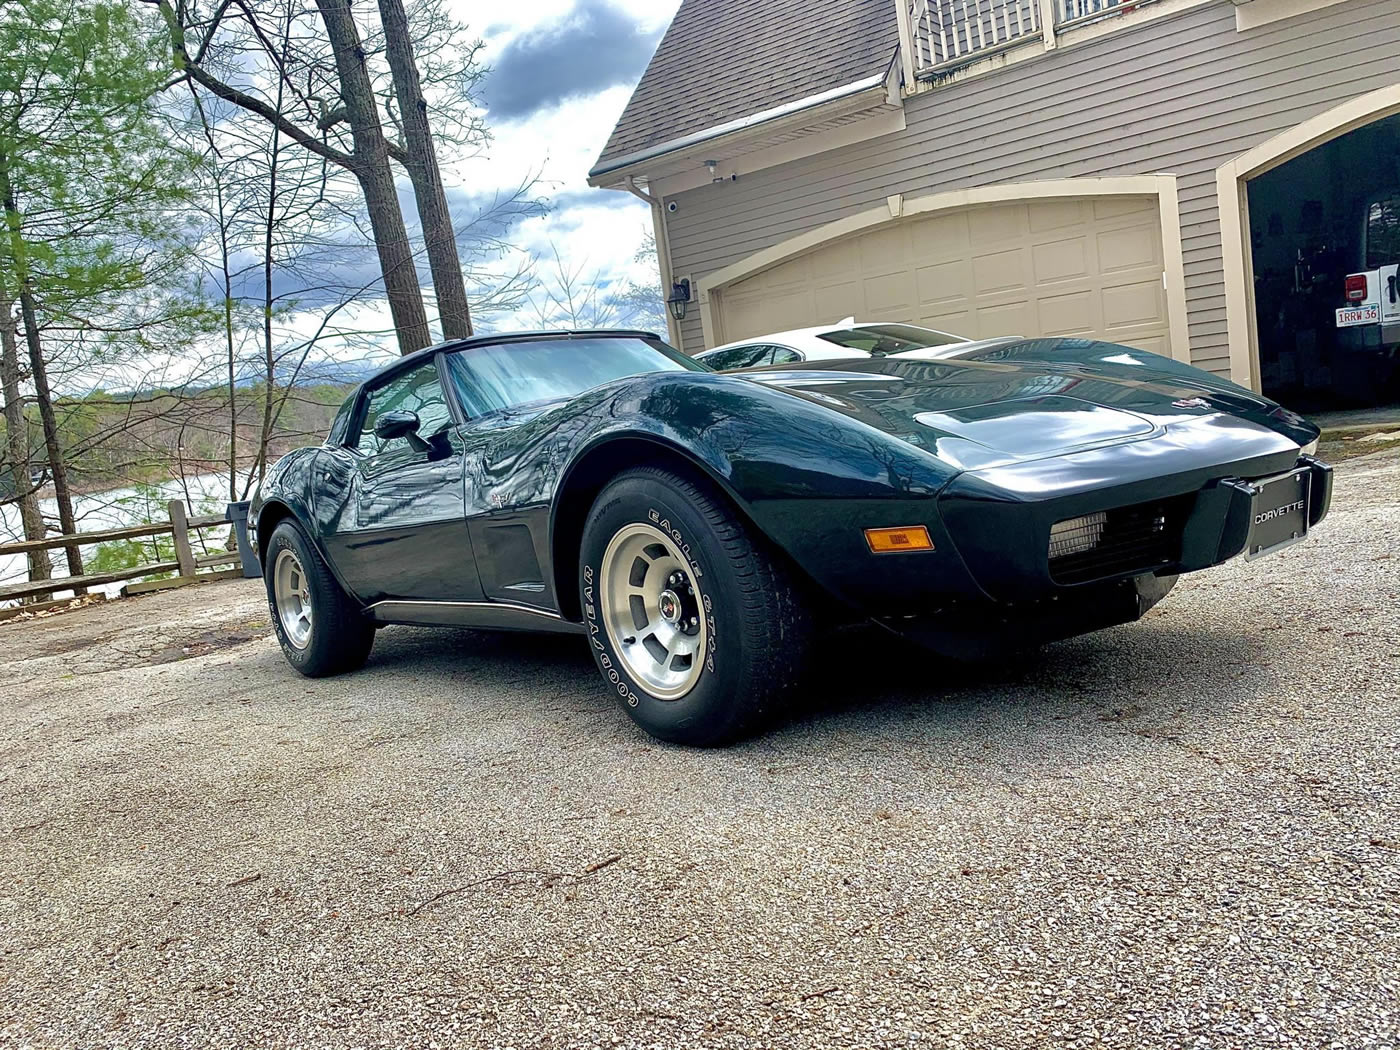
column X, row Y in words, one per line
column 783, row 355
column 417, row 391
column 722, row 359
column 750, row 356
column 1383, row 233
column 755, row 356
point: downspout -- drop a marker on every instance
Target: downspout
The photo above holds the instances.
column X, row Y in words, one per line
column 663, row 255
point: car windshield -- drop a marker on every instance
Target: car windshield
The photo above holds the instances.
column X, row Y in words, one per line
column 888, row 338
column 501, row 376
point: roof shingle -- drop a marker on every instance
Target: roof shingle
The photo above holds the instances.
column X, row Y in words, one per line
column 725, row 59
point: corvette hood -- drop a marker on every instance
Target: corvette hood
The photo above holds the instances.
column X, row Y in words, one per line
column 1033, row 399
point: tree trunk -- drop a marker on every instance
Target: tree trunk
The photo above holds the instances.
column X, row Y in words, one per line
column 269, row 358
column 38, row 373
column 17, row 433
column 422, row 167
column 228, row 346
column 58, row 470
column 371, row 168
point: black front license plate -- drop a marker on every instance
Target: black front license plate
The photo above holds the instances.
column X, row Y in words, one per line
column 1280, row 512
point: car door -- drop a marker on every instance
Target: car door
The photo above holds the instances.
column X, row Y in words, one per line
column 402, row 531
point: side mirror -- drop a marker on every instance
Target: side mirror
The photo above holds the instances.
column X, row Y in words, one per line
column 393, row 425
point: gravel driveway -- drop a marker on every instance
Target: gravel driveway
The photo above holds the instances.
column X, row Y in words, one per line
column 1181, row 833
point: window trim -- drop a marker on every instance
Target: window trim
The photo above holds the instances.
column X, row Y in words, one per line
column 350, row 441
column 800, row 359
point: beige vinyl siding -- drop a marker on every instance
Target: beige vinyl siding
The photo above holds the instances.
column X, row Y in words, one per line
column 1180, row 96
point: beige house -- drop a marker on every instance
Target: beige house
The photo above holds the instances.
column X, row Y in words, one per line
column 1027, row 167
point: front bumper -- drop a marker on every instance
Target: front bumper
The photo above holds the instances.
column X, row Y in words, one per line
column 1215, row 524
column 1193, row 521
column 1220, row 525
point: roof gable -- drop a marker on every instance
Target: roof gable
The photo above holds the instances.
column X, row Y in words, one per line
column 721, row 60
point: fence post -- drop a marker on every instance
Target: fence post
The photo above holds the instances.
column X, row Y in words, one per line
column 180, row 528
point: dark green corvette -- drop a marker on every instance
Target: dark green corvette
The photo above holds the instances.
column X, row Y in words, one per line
column 698, row 528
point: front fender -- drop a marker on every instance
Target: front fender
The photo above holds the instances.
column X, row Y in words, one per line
column 810, row 479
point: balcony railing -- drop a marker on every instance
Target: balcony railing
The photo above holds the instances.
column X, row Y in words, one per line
column 941, row 35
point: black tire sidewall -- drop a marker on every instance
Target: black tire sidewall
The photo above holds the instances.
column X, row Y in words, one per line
column 712, row 709
column 338, row 639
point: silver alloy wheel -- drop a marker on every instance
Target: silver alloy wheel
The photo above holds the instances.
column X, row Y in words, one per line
column 292, row 593
column 651, row 610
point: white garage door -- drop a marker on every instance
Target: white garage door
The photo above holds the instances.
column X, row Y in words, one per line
column 1089, row 267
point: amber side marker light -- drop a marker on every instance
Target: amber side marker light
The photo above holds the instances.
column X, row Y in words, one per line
column 893, row 541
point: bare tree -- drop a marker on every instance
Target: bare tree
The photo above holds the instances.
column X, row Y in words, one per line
column 574, row 296
column 420, row 160
column 338, row 84
column 356, row 105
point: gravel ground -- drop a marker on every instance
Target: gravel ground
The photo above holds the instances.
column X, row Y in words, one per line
column 1181, row 833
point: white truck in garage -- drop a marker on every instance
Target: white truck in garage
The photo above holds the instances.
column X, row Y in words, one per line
column 1372, row 310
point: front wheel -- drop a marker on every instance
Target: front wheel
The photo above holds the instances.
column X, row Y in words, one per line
column 697, row 628
column 321, row 629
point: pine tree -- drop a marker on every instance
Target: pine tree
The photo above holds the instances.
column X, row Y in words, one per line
column 87, row 181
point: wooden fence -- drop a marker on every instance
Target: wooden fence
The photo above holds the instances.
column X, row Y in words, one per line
column 186, row 564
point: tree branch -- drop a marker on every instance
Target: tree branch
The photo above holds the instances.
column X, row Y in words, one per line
column 242, row 99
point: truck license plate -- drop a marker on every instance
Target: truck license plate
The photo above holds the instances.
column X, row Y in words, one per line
column 1348, row 316
column 1280, row 513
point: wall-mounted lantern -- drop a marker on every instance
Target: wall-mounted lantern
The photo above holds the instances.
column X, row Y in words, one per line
column 679, row 298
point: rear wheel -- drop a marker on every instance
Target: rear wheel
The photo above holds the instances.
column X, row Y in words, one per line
column 696, row 626
column 320, row 628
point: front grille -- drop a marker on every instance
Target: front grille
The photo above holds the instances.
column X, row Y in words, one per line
column 1133, row 539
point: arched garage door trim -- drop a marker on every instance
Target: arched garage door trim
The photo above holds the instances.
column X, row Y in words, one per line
column 1231, row 185
column 1162, row 187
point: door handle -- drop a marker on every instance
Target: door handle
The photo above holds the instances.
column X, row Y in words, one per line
column 1393, row 291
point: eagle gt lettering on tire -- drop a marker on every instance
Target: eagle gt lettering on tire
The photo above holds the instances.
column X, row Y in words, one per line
column 694, row 625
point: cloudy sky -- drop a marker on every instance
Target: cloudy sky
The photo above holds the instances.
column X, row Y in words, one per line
column 562, row 71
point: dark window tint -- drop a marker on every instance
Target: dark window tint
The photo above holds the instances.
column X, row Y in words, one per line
column 750, row 356
column 507, row 375
column 1383, row 233
column 784, row 356
column 417, row 391
column 888, row 338
column 719, row 360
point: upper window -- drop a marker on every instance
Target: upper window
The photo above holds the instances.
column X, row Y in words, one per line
column 783, row 355
column 888, row 338
column 416, row 391
column 500, row 376
column 1383, row 233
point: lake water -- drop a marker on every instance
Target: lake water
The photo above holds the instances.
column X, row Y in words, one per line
column 115, row 509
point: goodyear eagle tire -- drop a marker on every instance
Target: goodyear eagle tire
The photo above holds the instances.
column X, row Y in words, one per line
column 320, row 628
column 697, row 629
